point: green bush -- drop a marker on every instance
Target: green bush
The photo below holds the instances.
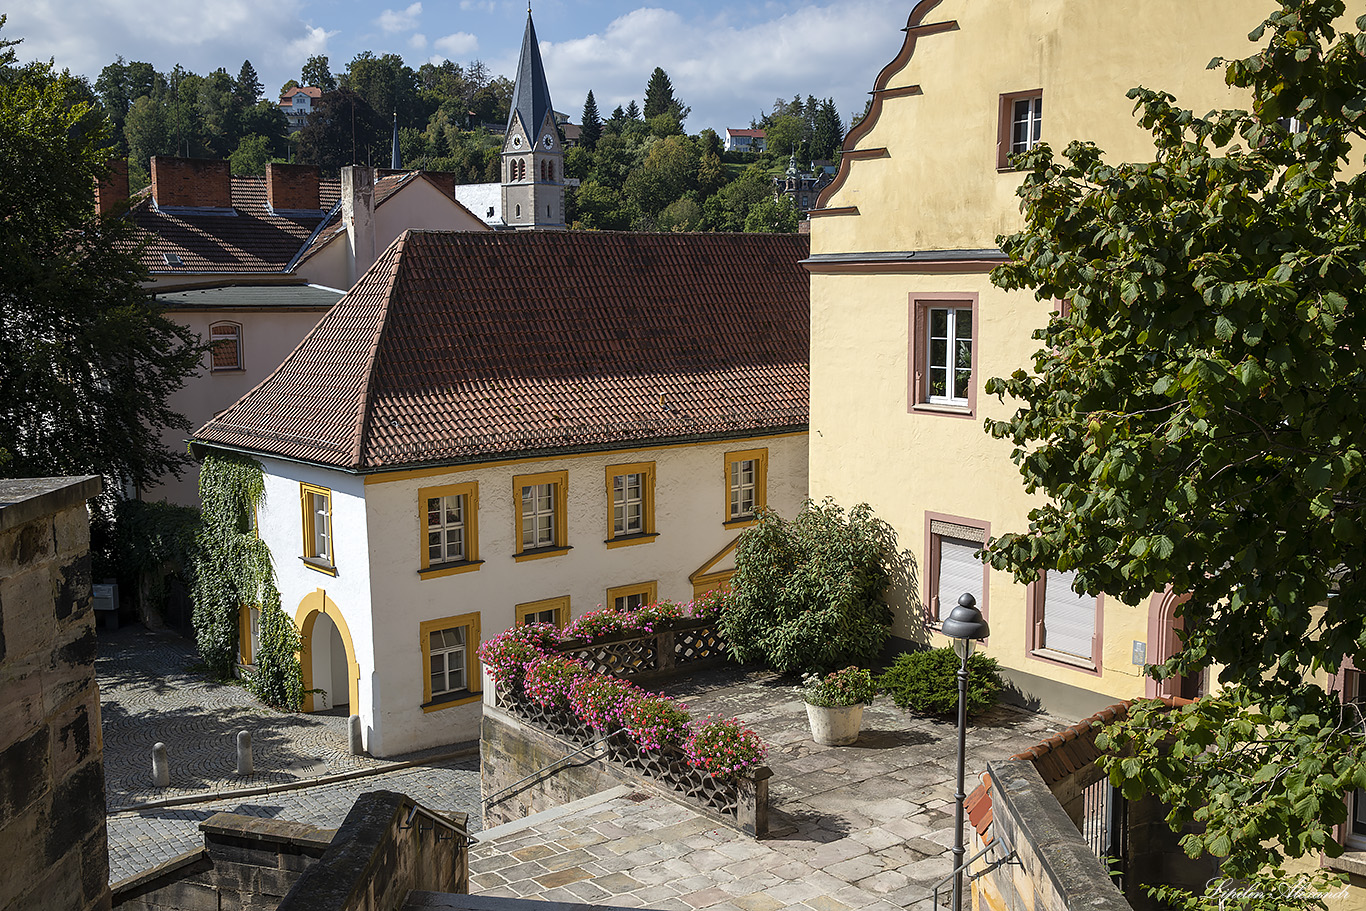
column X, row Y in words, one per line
column 928, row 682
column 809, row 594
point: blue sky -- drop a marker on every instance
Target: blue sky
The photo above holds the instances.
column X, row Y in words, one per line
column 728, row 60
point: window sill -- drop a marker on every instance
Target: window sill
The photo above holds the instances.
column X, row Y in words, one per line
column 438, row 570
column 539, row 552
column 317, row 565
column 1063, row 658
column 741, row 523
column 451, row 700
column 957, row 411
column 628, row 540
column 227, row 370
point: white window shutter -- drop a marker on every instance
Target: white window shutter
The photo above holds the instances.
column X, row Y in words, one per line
column 1069, row 619
column 959, row 571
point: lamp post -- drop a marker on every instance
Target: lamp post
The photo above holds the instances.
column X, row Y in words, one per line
column 964, row 625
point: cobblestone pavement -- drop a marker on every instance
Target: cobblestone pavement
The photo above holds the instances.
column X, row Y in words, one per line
column 149, row 694
column 142, row 839
column 861, row 828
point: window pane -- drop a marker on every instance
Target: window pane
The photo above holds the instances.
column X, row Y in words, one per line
column 939, row 352
column 962, row 324
column 939, row 323
column 454, row 509
column 939, row 381
column 433, row 511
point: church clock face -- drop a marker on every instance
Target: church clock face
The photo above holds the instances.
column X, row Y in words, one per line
column 516, row 142
column 549, row 142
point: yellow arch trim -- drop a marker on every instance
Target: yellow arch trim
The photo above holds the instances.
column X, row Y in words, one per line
column 309, row 608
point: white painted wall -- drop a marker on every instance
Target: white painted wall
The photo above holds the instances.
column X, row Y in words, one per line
column 280, row 521
column 267, row 339
column 689, row 500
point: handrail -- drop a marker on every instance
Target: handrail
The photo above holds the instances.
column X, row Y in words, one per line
column 492, row 799
column 1007, row 858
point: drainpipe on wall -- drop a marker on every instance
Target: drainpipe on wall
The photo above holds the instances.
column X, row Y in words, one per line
column 358, row 214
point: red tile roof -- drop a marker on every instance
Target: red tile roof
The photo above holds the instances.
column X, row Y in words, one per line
column 759, row 134
column 462, row 347
column 1056, row 757
column 251, row 240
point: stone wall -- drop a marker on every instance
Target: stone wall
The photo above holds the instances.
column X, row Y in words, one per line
column 246, row 863
column 387, row 848
column 52, row 829
column 1053, row 868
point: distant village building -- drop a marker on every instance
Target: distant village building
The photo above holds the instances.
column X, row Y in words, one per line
column 802, row 187
column 745, row 140
column 297, row 104
column 499, row 428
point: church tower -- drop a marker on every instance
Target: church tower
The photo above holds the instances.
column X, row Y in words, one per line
column 533, row 162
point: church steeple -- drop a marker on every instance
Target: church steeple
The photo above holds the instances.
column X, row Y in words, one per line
column 533, row 162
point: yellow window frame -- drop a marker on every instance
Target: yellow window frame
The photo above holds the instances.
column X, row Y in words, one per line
column 648, row 590
column 559, row 605
column 312, row 560
column 561, row 481
column 647, row 496
column 470, row 491
column 760, row 459
column 473, row 680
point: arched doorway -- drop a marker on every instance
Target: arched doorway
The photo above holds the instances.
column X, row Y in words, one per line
column 327, row 657
column 1163, row 643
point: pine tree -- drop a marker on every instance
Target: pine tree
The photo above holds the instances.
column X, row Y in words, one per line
column 632, row 110
column 591, row 130
column 249, row 88
column 659, row 94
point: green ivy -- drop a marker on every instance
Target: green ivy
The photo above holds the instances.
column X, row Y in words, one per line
column 233, row 567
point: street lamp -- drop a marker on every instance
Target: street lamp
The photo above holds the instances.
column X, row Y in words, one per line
column 964, row 625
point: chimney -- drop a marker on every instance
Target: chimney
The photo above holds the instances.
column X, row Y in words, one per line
column 112, row 191
column 291, row 187
column 358, row 214
column 191, row 183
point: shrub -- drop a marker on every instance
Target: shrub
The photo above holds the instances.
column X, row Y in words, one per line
column 808, row 594
column 851, row 686
column 508, row 654
column 927, row 681
column 709, row 605
column 596, row 624
column 602, row 701
column 657, row 722
column 549, row 680
column 721, row 747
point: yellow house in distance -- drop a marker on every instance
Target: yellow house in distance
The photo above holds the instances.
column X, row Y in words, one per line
column 906, row 326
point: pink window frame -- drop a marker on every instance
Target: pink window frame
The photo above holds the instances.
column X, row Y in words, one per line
column 1005, row 117
column 933, row 614
column 1034, row 597
column 917, row 398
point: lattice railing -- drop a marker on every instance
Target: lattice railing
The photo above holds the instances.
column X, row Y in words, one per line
column 741, row 800
column 686, row 645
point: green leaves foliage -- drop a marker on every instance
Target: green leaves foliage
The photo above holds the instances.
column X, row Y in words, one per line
column 927, row 681
column 1195, row 419
column 808, row 594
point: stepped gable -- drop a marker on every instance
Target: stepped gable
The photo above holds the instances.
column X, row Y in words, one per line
column 248, row 239
column 461, row 347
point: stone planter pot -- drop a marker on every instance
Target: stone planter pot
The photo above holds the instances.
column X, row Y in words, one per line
column 834, row 725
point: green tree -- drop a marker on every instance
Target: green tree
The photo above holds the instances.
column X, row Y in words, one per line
column 728, row 208
column 343, row 130
column 248, row 87
column 827, row 133
column 1194, row 419
column 389, row 86
column 772, row 216
column 668, row 171
column 591, row 129
column 659, row 98
column 89, row 360
column 317, row 72
column 602, row 208
column 251, row 155
column 632, row 111
column 120, row 85
column 219, row 114
column 147, row 132
column 809, row 594
column 783, row 135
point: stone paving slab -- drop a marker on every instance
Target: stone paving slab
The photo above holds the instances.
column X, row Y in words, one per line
column 858, row 828
column 150, row 693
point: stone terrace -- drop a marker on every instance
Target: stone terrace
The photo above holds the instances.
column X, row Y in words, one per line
column 867, row 826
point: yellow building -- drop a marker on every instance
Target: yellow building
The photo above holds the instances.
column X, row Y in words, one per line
column 907, row 326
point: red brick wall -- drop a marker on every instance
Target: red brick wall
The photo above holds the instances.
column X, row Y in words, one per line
column 292, row 186
column 191, row 182
column 113, row 189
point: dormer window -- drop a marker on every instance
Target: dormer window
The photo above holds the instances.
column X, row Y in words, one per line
column 173, row 260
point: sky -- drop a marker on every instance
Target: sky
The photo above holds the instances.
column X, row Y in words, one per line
column 728, row 59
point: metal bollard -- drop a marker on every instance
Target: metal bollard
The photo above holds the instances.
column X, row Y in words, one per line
column 161, row 767
column 353, row 736
column 244, row 763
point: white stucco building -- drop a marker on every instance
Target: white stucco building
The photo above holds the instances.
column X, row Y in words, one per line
column 491, row 428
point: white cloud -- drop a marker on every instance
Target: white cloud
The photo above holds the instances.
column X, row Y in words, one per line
column 418, row 41
column 399, row 20
column 313, row 42
column 728, row 73
column 458, row 45
column 479, row 6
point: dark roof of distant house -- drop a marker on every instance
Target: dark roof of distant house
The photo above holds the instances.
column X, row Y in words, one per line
column 754, row 133
column 248, row 238
column 297, row 296
column 470, row 346
column 385, row 189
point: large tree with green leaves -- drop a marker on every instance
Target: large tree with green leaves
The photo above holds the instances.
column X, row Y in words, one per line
column 1195, row 417
column 591, row 129
column 88, row 360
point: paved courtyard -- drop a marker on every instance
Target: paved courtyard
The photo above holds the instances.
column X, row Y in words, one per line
column 867, row 826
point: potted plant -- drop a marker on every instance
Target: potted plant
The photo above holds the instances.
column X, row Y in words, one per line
column 834, row 704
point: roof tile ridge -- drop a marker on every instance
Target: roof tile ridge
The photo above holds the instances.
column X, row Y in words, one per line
column 365, row 402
